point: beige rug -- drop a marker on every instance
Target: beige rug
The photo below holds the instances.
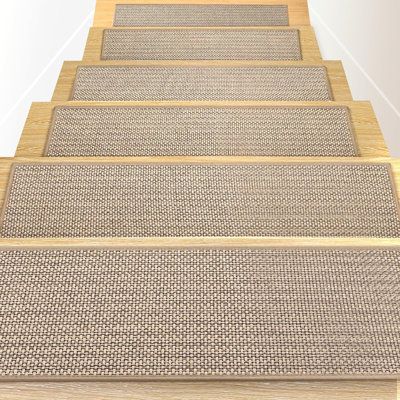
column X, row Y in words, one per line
column 200, row 15
column 199, row 313
column 122, row 200
column 124, row 83
column 198, row 131
column 200, row 44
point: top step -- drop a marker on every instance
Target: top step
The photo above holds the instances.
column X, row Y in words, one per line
column 129, row 13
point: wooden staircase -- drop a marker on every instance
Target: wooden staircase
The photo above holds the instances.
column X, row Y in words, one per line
column 32, row 149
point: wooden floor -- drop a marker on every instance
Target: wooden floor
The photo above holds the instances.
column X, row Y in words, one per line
column 308, row 42
column 104, row 15
column 331, row 390
column 337, row 77
column 370, row 143
column 366, row 129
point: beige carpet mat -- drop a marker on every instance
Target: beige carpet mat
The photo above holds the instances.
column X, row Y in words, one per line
column 198, row 131
column 122, row 200
column 258, row 313
column 200, row 15
column 196, row 44
column 124, row 83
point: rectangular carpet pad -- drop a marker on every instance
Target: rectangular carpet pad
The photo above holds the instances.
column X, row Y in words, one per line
column 200, row 44
column 195, row 200
column 200, row 15
column 198, row 131
column 199, row 313
column 130, row 83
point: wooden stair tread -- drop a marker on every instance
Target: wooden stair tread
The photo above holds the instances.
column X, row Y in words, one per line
column 298, row 9
column 367, row 132
column 336, row 75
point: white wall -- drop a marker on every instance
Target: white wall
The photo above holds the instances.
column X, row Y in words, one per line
column 365, row 35
column 36, row 36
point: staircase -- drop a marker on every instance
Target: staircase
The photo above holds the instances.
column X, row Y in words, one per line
column 201, row 211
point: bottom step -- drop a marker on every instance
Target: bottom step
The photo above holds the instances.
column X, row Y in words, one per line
column 248, row 313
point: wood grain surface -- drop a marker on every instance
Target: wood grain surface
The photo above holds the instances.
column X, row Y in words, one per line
column 282, row 390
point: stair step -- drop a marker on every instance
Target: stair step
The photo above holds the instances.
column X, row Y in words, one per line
column 168, row 198
column 118, row 127
column 202, row 44
column 195, row 131
column 120, row 81
column 293, row 12
column 201, row 313
column 201, row 15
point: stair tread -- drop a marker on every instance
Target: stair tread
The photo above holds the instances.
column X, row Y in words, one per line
column 136, row 131
column 331, row 198
column 295, row 43
column 35, row 137
column 201, row 15
column 120, row 83
column 235, row 309
column 297, row 9
column 332, row 81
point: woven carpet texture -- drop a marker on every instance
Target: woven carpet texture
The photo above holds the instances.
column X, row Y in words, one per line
column 200, row 15
column 200, row 44
column 124, row 83
column 122, row 200
column 199, row 313
column 197, row 131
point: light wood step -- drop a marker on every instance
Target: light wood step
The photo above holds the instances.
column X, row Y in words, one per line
column 297, row 9
column 173, row 242
column 368, row 136
column 300, row 390
column 337, row 79
column 95, row 43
